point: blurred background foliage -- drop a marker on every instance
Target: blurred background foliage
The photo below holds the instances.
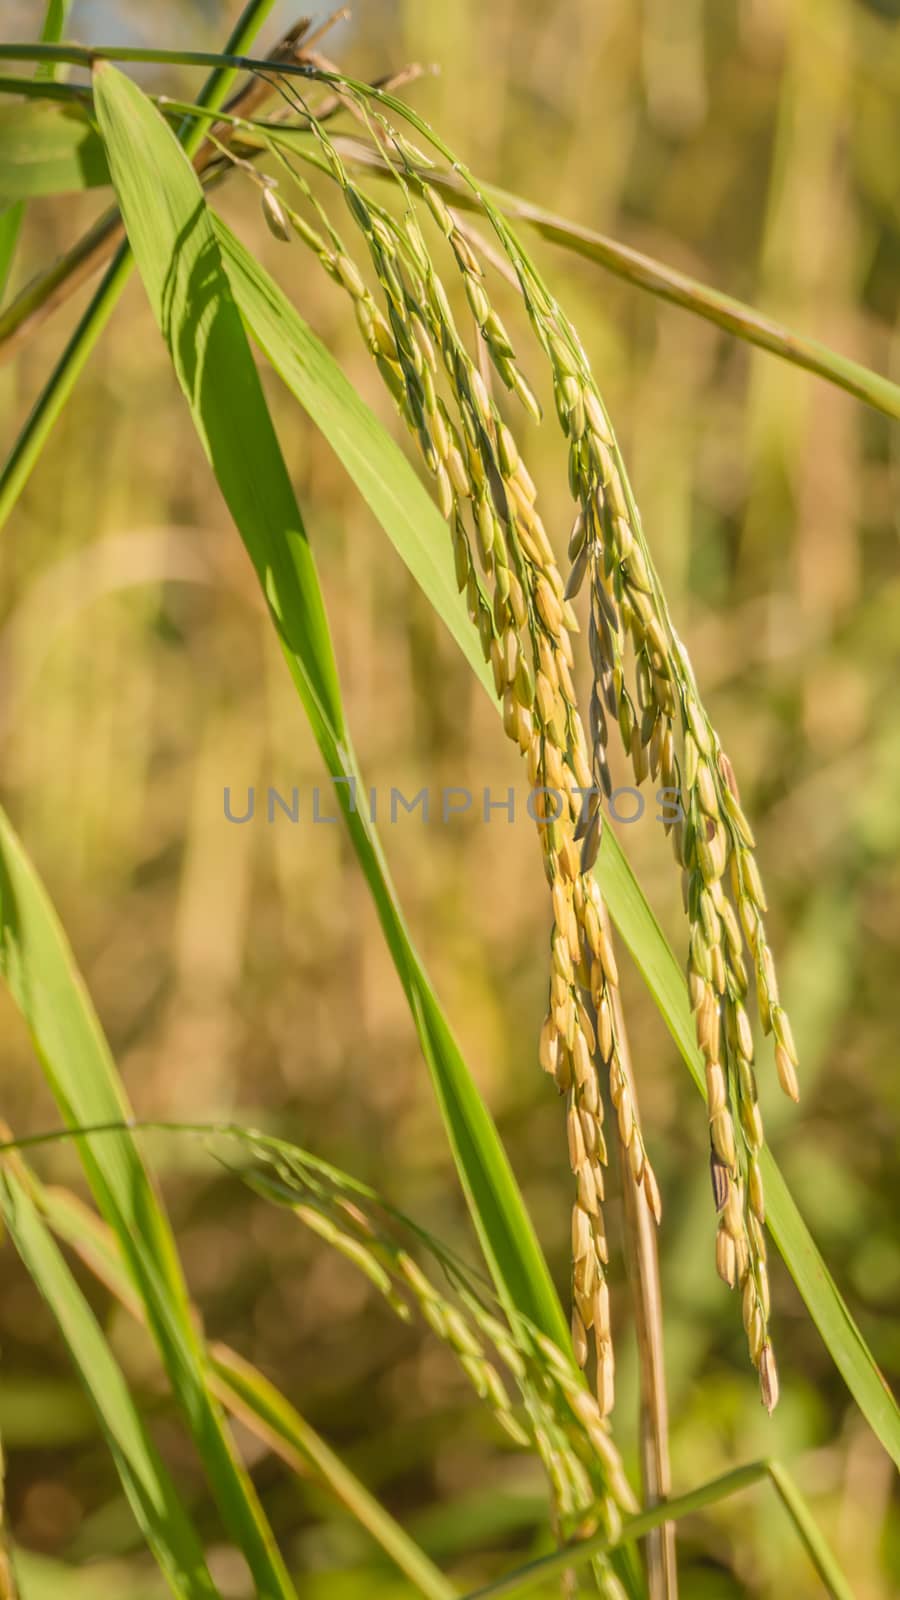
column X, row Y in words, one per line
column 238, row 970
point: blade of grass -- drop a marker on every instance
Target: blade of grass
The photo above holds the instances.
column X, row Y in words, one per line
column 10, row 224
column 55, row 18
column 248, row 1395
column 657, row 278
column 11, row 219
column 261, row 1406
column 375, row 462
column 39, row 969
column 48, row 149
column 176, row 248
column 27, row 448
column 44, row 90
column 152, row 1495
column 537, row 1573
column 413, row 524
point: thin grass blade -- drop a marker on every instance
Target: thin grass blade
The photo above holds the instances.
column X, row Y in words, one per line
column 12, row 217
column 10, row 224
column 48, row 149
column 251, row 1397
column 524, row 1580
column 152, row 1495
column 666, row 283
column 40, row 971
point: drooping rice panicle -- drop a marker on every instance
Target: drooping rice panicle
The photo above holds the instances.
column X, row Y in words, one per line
column 714, row 838
column 524, row 621
column 643, row 682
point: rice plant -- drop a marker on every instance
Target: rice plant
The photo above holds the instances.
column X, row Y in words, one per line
column 360, row 189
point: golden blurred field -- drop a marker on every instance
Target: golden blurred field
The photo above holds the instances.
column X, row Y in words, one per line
column 239, row 971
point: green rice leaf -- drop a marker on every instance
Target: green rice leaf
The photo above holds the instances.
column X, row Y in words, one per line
column 42, row 977
column 12, row 216
column 377, row 465
column 10, row 224
column 250, row 1396
column 48, row 149
column 411, row 521
column 180, row 261
column 150, row 1491
column 539, row 1573
column 654, row 277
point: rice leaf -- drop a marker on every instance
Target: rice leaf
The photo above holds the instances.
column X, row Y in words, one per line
column 413, row 524
column 10, row 223
column 11, row 218
column 537, row 1574
column 253, row 1397
column 178, row 255
column 734, row 316
column 48, row 149
column 250, row 1396
column 40, row 971
column 150, row 1491
column 375, row 462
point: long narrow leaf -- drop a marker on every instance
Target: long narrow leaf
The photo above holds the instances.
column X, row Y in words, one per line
column 667, row 283
column 12, row 217
column 374, row 461
column 150, row 1491
column 10, row 224
column 48, row 149
column 252, row 1397
column 38, row 967
column 180, row 261
column 409, row 518
column 247, row 1394
column 546, row 1568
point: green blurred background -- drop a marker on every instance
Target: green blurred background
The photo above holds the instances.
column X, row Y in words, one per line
column 239, row 971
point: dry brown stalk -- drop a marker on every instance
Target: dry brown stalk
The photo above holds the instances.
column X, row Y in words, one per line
column 642, row 1260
